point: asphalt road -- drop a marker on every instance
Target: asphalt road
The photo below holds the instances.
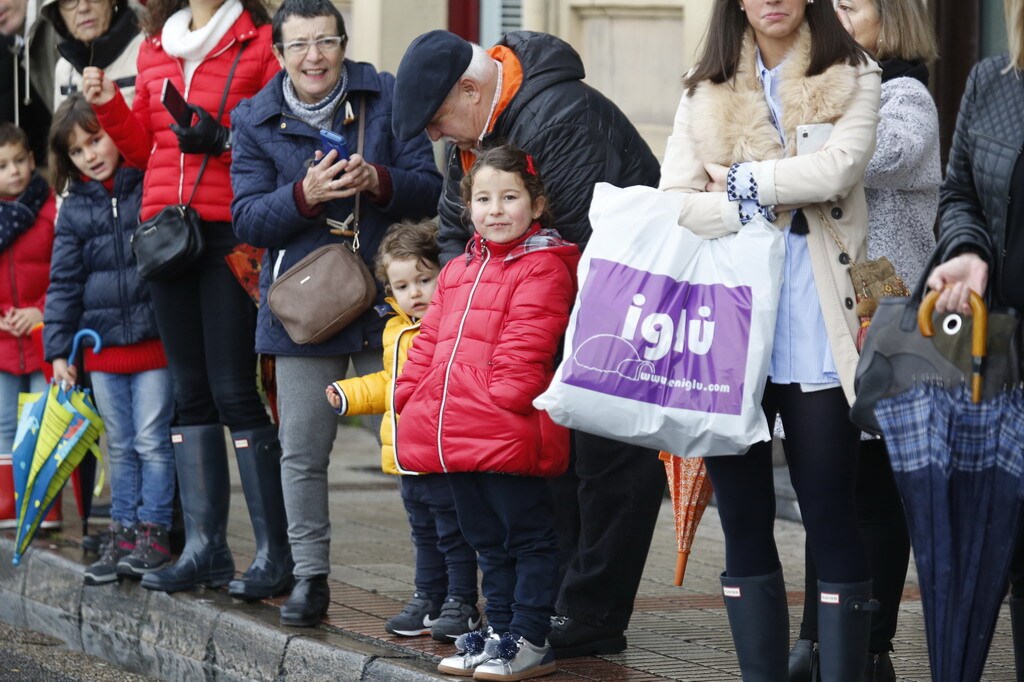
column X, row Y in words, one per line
column 28, row 655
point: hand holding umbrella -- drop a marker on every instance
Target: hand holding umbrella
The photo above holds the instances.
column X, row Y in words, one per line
column 957, row 454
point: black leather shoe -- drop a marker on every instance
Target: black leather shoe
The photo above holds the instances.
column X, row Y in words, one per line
column 308, row 604
column 803, row 662
column 569, row 638
column 879, row 668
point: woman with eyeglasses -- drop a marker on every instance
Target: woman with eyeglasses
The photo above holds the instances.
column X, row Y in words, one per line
column 215, row 53
column 101, row 33
column 286, row 191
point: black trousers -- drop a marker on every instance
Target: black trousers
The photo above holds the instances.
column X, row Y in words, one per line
column 822, row 465
column 207, row 323
column 445, row 562
column 611, row 499
column 883, row 528
column 508, row 521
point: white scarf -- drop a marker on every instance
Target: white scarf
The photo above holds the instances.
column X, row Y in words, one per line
column 193, row 46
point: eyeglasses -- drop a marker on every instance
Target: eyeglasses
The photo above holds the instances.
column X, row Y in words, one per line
column 72, row 4
column 299, row 48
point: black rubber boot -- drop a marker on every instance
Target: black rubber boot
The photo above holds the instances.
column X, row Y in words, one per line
column 259, row 465
column 205, row 486
column 879, row 668
column 1017, row 628
column 844, row 626
column 803, row 662
column 759, row 619
column 308, row 604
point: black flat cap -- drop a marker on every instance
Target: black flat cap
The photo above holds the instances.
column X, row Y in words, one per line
column 430, row 68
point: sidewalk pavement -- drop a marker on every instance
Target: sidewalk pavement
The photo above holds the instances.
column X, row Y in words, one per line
column 678, row 633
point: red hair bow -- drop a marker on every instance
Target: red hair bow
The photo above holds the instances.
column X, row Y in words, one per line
column 529, row 165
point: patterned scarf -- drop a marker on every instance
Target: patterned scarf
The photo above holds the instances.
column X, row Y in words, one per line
column 17, row 216
column 320, row 114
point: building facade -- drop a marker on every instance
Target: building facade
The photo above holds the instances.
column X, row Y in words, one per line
column 636, row 51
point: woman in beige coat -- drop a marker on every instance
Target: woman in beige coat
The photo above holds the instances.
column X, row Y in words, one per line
column 779, row 119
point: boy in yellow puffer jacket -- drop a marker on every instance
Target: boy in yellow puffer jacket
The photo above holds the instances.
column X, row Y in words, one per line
column 444, row 604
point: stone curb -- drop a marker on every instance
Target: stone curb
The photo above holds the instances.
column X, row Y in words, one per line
column 198, row 635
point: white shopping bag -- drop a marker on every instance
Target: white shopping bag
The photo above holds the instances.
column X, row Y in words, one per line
column 670, row 338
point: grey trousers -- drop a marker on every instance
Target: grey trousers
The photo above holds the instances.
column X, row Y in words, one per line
column 307, row 431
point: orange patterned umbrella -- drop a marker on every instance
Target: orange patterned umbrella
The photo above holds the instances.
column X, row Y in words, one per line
column 690, row 487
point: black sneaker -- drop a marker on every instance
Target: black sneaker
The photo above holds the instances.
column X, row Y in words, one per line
column 418, row 616
column 152, row 552
column 569, row 638
column 119, row 543
column 457, row 618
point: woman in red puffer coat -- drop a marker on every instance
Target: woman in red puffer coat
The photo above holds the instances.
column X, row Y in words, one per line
column 486, row 349
column 215, row 53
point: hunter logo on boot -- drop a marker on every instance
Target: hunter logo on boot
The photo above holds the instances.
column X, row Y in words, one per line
column 177, row 438
column 732, row 592
column 829, row 597
column 241, row 442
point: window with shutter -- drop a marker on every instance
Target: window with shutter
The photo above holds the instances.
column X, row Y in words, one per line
column 498, row 17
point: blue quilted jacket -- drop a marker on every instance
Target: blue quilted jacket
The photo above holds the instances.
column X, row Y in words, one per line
column 270, row 151
column 93, row 280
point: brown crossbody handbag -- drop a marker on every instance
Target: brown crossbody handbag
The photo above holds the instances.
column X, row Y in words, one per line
column 329, row 288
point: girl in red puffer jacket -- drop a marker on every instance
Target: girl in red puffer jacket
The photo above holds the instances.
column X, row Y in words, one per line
column 486, row 349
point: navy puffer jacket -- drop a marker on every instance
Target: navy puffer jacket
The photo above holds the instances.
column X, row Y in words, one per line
column 270, row 151
column 93, row 280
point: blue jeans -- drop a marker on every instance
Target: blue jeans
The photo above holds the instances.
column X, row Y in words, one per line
column 10, row 386
column 137, row 410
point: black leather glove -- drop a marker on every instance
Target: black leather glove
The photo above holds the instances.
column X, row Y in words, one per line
column 205, row 136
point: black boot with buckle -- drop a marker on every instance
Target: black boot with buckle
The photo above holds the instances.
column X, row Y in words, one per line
column 844, row 626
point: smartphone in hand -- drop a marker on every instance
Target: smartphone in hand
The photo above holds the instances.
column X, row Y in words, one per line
column 331, row 140
column 175, row 104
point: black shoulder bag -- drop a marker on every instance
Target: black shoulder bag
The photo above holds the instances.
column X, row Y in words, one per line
column 172, row 240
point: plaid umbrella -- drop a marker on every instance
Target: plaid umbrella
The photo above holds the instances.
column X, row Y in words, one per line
column 958, row 460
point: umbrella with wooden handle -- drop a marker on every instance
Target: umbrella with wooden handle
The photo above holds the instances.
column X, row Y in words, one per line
column 691, row 490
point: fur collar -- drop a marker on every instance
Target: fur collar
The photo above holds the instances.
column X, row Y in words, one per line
column 731, row 122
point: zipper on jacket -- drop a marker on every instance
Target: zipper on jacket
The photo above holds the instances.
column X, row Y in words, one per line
column 122, row 280
column 455, row 349
column 181, row 155
column 391, row 398
column 16, row 304
column 188, row 89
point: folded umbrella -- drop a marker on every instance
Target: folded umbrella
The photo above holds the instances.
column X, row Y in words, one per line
column 690, row 488
column 55, row 433
column 958, row 459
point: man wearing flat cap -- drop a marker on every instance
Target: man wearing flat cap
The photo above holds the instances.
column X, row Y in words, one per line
column 528, row 91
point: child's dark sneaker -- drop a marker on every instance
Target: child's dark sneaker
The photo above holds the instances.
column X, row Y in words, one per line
column 152, row 552
column 457, row 618
column 515, row 658
column 119, row 543
column 418, row 616
column 471, row 653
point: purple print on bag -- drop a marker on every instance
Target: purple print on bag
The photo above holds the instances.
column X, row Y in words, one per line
column 651, row 338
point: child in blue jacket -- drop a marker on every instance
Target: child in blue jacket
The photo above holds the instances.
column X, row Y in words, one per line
column 94, row 284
